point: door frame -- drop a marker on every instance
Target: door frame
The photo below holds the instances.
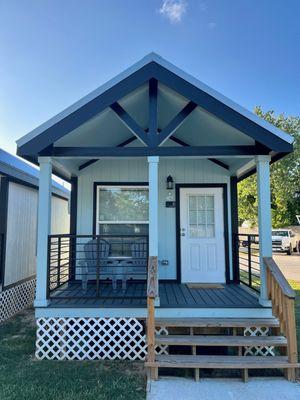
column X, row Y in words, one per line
column 223, row 186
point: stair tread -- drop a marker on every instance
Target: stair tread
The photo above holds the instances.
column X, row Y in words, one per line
column 217, row 322
column 226, row 362
column 220, row 340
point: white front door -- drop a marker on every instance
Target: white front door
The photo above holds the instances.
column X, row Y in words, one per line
column 202, row 235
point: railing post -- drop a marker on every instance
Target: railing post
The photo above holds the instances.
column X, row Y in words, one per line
column 98, row 268
column 59, row 260
column 44, row 227
column 264, row 220
column 283, row 305
column 152, row 292
column 249, row 261
column 153, row 210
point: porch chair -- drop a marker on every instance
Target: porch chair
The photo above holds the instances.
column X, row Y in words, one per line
column 138, row 262
column 96, row 253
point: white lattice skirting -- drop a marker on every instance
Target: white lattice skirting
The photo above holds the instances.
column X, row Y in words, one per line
column 16, row 299
column 258, row 350
column 92, row 339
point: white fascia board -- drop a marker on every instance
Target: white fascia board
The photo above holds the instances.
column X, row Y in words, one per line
column 153, row 57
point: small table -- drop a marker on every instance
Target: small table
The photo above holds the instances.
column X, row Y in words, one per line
column 118, row 264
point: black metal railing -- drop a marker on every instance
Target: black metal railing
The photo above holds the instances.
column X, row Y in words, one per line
column 97, row 266
column 248, row 260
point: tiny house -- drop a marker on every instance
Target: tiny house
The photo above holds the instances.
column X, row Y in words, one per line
column 18, row 230
column 154, row 157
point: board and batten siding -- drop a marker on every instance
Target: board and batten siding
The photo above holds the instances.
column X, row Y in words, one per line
column 21, row 236
column 136, row 170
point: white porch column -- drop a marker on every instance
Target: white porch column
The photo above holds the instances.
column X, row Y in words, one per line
column 153, row 208
column 264, row 220
column 44, row 228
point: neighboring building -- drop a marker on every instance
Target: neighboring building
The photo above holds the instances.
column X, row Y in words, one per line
column 18, row 230
column 154, row 157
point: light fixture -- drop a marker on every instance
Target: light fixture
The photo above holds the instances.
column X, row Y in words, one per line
column 170, row 183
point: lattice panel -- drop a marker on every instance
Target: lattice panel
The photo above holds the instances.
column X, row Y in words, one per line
column 258, row 350
column 162, row 349
column 16, row 299
column 92, row 339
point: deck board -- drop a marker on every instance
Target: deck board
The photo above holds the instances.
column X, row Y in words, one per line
column 172, row 295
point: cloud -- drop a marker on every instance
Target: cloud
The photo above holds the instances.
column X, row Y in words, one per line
column 212, row 25
column 173, row 10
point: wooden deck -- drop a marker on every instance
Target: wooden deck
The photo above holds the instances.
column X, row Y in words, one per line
column 172, row 295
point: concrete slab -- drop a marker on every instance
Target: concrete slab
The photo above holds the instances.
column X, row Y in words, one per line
column 223, row 389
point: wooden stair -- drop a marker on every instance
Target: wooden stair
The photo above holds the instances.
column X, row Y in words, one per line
column 220, row 340
column 217, row 322
column 224, row 362
column 192, row 335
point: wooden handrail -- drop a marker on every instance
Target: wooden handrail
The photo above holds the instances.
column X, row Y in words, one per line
column 152, row 293
column 279, row 277
column 152, row 284
column 283, row 305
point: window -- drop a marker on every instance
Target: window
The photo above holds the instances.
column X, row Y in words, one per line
column 201, row 216
column 122, row 210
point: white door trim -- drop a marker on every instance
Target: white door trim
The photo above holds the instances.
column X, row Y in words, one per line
column 222, row 186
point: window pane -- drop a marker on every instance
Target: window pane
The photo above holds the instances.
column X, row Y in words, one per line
column 201, row 216
column 210, row 217
column 193, row 203
column 201, row 202
column 123, row 229
column 193, row 217
column 118, row 204
column 209, row 202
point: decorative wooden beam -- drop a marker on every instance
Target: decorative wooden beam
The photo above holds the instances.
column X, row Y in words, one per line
column 214, row 160
column 153, row 87
column 204, row 151
column 122, row 144
column 130, row 123
column 219, row 163
column 87, row 164
column 176, row 122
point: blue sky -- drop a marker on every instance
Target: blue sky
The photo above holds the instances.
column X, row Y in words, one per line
column 54, row 52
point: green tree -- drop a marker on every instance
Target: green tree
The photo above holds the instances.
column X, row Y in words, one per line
column 285, row 179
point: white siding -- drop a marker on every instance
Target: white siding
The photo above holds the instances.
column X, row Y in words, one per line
column 136, row 170
column 20, row 257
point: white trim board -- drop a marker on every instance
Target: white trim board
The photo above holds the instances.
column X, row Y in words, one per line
column 47, row 312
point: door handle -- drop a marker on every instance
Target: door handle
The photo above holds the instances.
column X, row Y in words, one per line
column 182, row 231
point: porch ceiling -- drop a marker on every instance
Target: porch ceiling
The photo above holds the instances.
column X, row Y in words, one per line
column 200, row 128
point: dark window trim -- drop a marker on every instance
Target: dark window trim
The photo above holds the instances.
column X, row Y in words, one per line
column 4, row 190
column 96, row 184
column 178, row 186
column 73, row 205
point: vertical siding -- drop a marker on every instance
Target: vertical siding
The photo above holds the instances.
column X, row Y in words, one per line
column 20, row 258
column 136, row 170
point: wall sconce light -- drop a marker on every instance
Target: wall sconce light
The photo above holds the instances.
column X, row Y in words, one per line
column 170, row 183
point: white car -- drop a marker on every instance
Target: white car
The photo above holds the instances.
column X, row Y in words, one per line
column 284, row 240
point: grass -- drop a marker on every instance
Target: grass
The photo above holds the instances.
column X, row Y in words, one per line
column 296, row 286
column 24, row 378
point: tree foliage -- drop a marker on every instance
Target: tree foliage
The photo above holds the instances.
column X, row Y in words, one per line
column 285, row 179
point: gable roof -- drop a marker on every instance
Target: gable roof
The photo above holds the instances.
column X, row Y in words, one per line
column 154, row 58
column 21, row 171
column 41, row 140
